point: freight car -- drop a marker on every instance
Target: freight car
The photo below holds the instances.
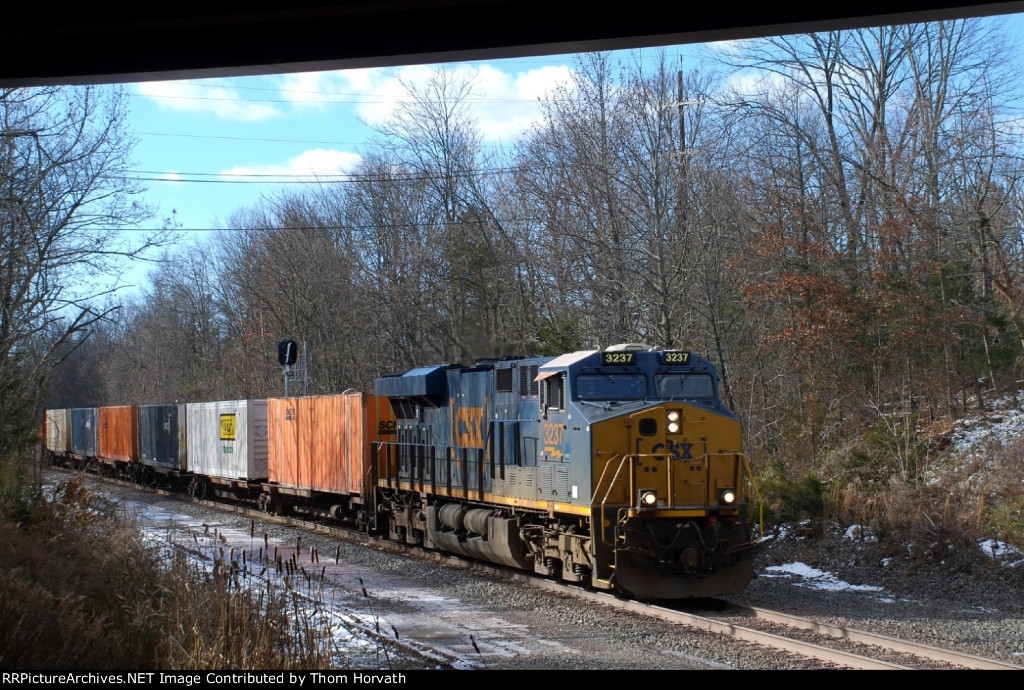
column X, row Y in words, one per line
column 619, row 469
column 227, row 447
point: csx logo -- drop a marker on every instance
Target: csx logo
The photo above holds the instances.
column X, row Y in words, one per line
column 679, row 451
column 467, row 427
column 387, row 428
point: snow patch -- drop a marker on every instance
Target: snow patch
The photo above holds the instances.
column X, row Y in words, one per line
column 1005, row 424
column 860, row 533
column 819, row 579
column 1001, row 552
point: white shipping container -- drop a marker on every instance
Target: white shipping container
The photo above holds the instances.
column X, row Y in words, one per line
column 228, row 439
column 58, row 431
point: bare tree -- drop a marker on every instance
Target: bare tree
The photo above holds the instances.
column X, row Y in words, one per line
column 64, row 198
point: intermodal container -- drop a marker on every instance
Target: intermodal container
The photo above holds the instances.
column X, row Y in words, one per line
column 85, row 431
column 228, row 439
column 162, row 437
column 58, row 431
column 322, row 443
column 118, row 440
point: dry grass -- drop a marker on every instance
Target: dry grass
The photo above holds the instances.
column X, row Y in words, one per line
column 948, row 503
column 237, row 628
column 963, row 500
column 80, row 589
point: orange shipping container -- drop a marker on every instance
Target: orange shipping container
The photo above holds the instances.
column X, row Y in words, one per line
column 321, row 443
column 118, row 434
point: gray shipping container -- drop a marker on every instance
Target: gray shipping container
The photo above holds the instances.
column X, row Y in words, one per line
column 85, row 427
column 58, row 432
column 162, row 437
column 228, row 439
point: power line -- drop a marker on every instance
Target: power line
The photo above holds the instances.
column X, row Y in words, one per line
column 332, row 227
column 305, row 178
column 261, row 139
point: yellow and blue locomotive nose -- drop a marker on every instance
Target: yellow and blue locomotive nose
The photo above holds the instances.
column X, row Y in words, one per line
column 684, row 461
column 671, row 507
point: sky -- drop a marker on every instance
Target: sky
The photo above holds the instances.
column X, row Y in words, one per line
column 207, row 148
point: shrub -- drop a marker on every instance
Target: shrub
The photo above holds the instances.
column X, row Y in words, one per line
column 81, row 589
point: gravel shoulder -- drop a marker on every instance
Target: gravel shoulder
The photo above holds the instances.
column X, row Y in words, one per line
column 969, row 601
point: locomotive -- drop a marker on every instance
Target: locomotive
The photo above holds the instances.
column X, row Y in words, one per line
column 619, row 469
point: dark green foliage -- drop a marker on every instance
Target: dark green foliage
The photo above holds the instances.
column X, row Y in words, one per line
column 558, row 335
column 793, row 499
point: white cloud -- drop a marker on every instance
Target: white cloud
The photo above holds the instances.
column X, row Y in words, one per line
column 728, row 48
column 511, row 103
column 384, row 92
column 312, row 165
column 171, row 177
column 207, row 97
column 322, row 88
column 502, row 103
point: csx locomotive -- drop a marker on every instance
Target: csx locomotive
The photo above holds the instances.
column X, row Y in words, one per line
column 620, row 469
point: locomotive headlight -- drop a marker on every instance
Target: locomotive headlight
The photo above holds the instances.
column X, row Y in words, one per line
column 726, row 496
column 648, row 498
column 673, row 422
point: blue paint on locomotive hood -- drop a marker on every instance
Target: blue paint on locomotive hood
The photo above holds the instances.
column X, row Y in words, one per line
column 646, row 364
column 430, row 382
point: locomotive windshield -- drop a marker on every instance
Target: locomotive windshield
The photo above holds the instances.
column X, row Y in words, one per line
column 611, row 386
column 680, row 385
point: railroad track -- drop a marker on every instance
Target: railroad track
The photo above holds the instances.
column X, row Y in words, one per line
column 792, row 634
column 883, row 643
column 803, row 637
column 832, row 645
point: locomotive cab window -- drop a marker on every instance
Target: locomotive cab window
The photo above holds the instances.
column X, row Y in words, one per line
column 683, row 386
column 611, row 387
column 552, row 390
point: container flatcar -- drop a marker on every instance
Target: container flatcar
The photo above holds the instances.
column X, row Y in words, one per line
column 118, row 441
column 84, row 433
column 319, row 452
column 58, row 433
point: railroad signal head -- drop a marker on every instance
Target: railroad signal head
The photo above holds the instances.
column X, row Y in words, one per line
column 287, row 352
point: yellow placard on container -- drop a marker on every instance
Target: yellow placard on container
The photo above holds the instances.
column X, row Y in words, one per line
column 227, row 427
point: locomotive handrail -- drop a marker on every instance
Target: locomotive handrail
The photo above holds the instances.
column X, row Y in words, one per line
column 604, row 500
column 757, row 492
column 622, row 461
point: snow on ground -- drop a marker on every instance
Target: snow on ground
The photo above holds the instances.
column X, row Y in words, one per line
column 860, row 533
column 253, row 563
column 1003, row 423
column 1001, row 552
column 806, row 576
column 378, row 616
